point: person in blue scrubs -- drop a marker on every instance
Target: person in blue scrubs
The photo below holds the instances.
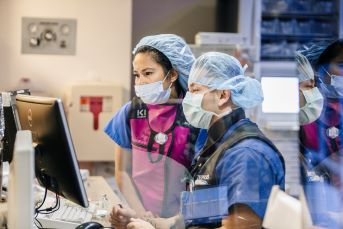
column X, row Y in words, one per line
column 155, row 143
column 236, row 155
column 321, row 135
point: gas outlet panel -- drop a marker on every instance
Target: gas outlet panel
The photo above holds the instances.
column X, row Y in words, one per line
column 48, row 36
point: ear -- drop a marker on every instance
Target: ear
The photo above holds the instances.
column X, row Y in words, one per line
column 173, row 75
column 224, row 97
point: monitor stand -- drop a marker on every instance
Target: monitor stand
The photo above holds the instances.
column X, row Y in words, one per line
column 1, row 169
column 20, row 183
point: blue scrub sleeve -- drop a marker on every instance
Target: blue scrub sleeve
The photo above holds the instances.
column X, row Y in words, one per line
column 118, row 128
column 248, row 176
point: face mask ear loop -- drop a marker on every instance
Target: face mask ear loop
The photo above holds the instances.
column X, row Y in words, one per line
column 327, row 72
column 245, row 67
column 166, row 78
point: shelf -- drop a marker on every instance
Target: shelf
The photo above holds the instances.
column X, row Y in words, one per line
column 278, row 58
column 298, row 36
column 302, row 15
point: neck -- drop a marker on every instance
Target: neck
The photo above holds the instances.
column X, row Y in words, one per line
column 224, row 112
column 174, row 93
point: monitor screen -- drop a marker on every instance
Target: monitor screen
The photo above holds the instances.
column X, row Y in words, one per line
column 56, row 165
column 279, row 110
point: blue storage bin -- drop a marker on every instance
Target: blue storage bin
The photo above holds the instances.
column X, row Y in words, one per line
column 323, row 27
column 301, row 6
column 286, row 27
column 269, row 26
column 324, row 7
column 303, row 27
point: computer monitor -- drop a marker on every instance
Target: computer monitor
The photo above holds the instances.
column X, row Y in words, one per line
column 11, row 122
column 56, row 165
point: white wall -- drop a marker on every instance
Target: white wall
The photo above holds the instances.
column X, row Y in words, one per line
column 103, row 49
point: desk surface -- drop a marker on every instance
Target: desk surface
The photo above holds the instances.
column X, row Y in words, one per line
column 96, row 187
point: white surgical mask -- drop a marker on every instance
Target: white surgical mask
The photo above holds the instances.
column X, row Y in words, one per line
column 336, row 82
column 195, row 114
column 311, row 111
column 153, row 93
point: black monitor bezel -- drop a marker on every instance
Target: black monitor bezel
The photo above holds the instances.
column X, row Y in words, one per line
column 63, row 178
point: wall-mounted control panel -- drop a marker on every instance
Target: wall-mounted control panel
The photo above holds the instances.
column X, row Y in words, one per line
column 48, row 36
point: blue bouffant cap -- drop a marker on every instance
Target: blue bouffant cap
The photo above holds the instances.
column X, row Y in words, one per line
column 175, row 49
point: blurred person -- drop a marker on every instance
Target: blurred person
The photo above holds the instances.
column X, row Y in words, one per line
column 321, row 131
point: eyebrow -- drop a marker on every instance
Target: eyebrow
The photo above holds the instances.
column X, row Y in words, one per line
column 146, row 69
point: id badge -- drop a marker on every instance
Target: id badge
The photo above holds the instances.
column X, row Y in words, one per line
column 204, row 206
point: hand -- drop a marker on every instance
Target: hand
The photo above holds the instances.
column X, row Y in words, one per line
column 120, row 216
column 165, row 223
column 139, row 224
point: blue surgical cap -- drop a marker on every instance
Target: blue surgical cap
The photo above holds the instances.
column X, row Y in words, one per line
column 175, row 49
column 224, row 72
column 312, row 51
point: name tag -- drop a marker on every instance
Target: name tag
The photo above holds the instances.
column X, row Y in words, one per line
column 204, row 206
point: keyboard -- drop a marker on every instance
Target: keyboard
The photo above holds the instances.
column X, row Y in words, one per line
column 69, row 215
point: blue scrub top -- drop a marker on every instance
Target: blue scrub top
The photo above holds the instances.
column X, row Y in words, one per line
column 249, row 169
column 118, row 129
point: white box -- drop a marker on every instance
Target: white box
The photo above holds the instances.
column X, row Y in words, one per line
column 211, row 38
column 90, row 141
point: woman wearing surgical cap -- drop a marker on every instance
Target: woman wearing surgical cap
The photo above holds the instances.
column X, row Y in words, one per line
column 238, row 164
column 155, row 143
column 321, row 130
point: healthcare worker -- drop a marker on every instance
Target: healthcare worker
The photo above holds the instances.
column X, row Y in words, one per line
column 321, row 134
column 326, row 60
column 238, row 163
column 236, row 155
column 155, row 142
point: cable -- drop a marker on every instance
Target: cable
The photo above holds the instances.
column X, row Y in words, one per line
column 53, row 209
column 40, row 226
column 44, row 198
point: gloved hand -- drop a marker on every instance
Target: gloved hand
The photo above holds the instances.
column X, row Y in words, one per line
column 139, row 224
column 120, row 216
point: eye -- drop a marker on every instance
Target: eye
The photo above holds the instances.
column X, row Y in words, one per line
column 194, row 90
column 135, row 75
column 148, row 73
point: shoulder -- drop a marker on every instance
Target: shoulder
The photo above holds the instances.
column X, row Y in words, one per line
column 253, row 152
column 118, row 128
column 123, row 112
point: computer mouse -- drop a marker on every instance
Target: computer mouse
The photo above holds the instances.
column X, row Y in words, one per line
column 90, row 225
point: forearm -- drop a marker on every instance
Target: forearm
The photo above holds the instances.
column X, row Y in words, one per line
column 128, row 189
column 243, row 217
column 123, row 170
